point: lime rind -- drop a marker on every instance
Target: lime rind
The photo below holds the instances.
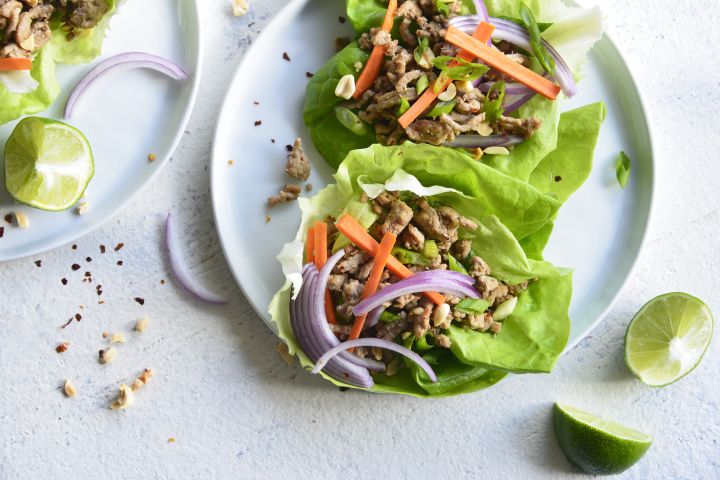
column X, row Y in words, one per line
column 48, row 164
column 667, row 338
column 603, row 425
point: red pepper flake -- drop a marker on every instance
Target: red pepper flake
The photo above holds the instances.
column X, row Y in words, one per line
column 8, row 219
column 102, row 248
column 342, row 19
column 38, row 263
column 88, row 259
column 62, row 347
column 286, row 56
column 256, row 103
column 120, row 263
column 74, row 247
column 78, row 317
column 88, row 274
column 272, row 140
column 309, row 74
column 64, row 281
column 258, row 123
column 162, row 282
column 75, row 267
column 119, row 246
column 2, row 231
column 139, row 300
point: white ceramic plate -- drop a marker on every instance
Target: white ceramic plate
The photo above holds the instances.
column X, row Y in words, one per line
column 599, row 232
column 125, row 117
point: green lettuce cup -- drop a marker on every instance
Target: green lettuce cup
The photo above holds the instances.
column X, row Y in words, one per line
column 506, row 211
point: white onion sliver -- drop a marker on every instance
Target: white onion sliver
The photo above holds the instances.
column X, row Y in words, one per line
column 180, row 269
column 375, row 342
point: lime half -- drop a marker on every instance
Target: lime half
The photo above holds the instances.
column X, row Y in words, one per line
column 48, row 164
column 595, row 445
column 667, row 338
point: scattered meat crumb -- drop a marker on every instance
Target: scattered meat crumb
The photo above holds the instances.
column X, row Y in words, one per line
column 62, row 347
column 105, row 334
column 102, row 249
column 78, row 317
column 284, row 352
column 309, row 74
column 162, row 282
column 272, row 140
column 64, row 281
column 139, row 300
column 119, row 263
column 558, row 178
column 38, row 263
column 8, row 219
column 69, row 389
column 231, row 162
column 308, row 187
column 289, row 148
column 88, row 259
column 286, row 56
column 256, row 102
column 258, row 123
column 74, row 247
column 287, row 194
column 2, row 231
column 298, row 165
column 152, row 157
column 75, row 267
column 342, row 19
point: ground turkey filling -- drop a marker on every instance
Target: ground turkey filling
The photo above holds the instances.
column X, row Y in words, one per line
column 401, row 74
column 25, row 25
column 416, row 223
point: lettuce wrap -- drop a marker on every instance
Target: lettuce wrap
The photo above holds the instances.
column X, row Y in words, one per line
column 506, row 210
column 571, row 31
column 38, row 90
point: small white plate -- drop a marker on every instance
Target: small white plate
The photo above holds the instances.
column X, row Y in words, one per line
column 599, row 232
column 125, row 116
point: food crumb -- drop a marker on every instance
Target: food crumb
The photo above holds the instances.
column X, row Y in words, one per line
column 142, row 324
column 240, row 7
column 69, row 389
column 308, row 187
column 152, row 157
column 102, row 249
column 286, row 57
column 82, row 208
column 258, row 123
column 162, row 282
column 231, row 162
column 78, row 317
column 105, row 334
column 2, row 231
column 107, row 356
column 88, row 259
column 74, row 246
column 256, row 102
column 284, row 352
column 119, row 246
column 478, row 153
column 38, row 263
column 139, row 300
column 272, row 140
column 64, row 281
column 287, row 194
column 75, row 267
column 8, row 219
column 117, row 337
column 22, row 220
column 125, row 398
column 309, row 74
column 171, row 440
column 558, row 178
column 267, row 218
column 62, row 347
column 119, row 263
column 142, row 380
column 342, row 19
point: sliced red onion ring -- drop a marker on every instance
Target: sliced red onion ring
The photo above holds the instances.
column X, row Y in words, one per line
column 482, row 11
column 516, row 103
column 510, row 88
column 449, row 274
column 124, row 61
column 415, row 285
column 518, row 35
column 478, row 141
column 180, row 269
column 375, row 342
column 373, row 317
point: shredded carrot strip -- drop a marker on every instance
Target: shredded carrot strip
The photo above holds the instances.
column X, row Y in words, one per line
column 310, row 246
column 499, row 61
column 320, row 241
column 377, row 56
column 371, row 286
column 14, row 64
column 483, row 33
column 349, row 227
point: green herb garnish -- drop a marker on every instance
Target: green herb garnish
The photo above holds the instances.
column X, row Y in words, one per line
column 538, row 48
column 389, row 317
column 442, row 108
column 442, row 7
column 472, row 306
column 456, row 68
column 494, row 108
column 456, row 266
column 623, row 169
column 408, row 257
column 351, row 121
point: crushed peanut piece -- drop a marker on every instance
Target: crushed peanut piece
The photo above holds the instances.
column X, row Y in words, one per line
column 117, row 338
column 240, row 7
column 107, row 356
column 142, row 324
column 171, row 440
column 137, row 385
column 152, row 157
column 145, row 376
column 284, row 352
column 478, row 153
column 231, row 162
column 267, row 218
column 105, row 334
column 125, row 398
column 69, row 389
column 22, row 220
column 82, row 208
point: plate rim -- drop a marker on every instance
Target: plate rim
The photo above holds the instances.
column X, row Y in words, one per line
column 162, row 162
column 262, row 311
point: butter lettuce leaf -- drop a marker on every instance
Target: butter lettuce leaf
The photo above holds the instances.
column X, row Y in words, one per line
column 506, row 209
column 15, row 105
column 86, row 45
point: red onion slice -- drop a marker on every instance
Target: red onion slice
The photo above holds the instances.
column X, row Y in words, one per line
column 124, row 61
column 373, row 317
column 510, row 88
column 517, row 103
column 478, row 141
column 482, row 11
column 180, row 269
column 448, row 274
column 375, row 342
column 415, row 285
column 518, row 35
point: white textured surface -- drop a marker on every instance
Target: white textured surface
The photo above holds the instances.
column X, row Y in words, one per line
column 238, row 411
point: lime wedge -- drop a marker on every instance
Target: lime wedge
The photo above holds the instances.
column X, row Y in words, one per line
column 667, row 338
column 48, row 164
column 595, row 445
